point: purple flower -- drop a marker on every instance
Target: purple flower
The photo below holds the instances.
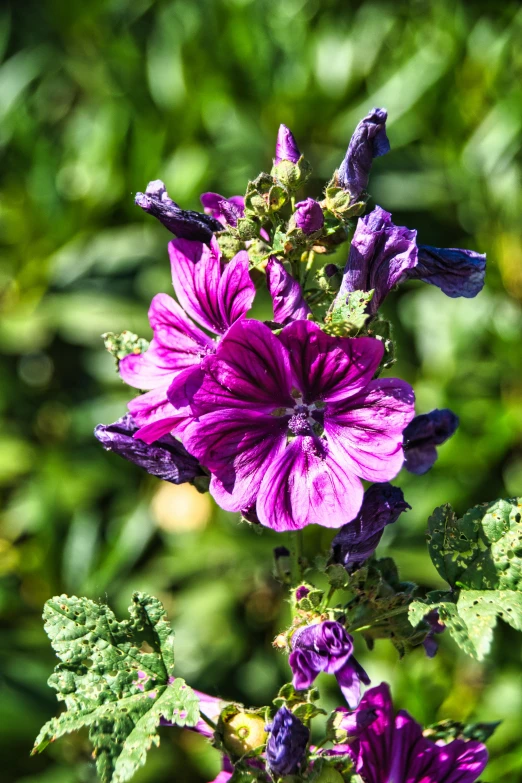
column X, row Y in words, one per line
column 166, row 458
column 381, row 254
column 287, row 743
column 326, row 647
column 286, row 146
column 423, row 434
column 456, row 272
column 287, row 295
column 301, row 592
column 392, row 748
column 369, row 141
column 309, row 216
column 293, row 422
column 181, row 222
column 436, row 627
column 356, row 542
column 226, row 210
column 215, row 295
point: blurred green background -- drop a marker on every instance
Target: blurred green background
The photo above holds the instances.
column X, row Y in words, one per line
column 96, row 99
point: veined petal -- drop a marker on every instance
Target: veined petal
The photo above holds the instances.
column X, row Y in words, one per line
column 372, row 749
column 306, row 485
column 177, row 343
column 237, row 446
column 236, row 290
column 154, row 415
column 250, row 369
column 456, row 272
column 286, row 293
column 196, row 272
column 329, row 368
column 365, row 433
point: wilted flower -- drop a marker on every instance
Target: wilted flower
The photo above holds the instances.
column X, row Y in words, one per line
column 369, row 141
column 287, row 743
column 393, row 748
column 287, row 295
column 423, row 434
column 356, row 542
column 436, row 627
column 286, row 146
column 293, row 422
column 456, row 272
column 165, row 458
column 308, row 216
column 226, row 210
column 326, row 647
column 183, row 223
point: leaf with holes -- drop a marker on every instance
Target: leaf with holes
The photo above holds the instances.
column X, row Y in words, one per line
column 115, row 677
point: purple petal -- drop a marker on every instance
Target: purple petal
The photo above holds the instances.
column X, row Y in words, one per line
column 154, row 415
column 304, row 668
column 181, row 222
column 224, row 209
column 369, row 141
column 372, row 749
column 177, row 344
column 356, row 542
column 305, row 485
column 365, row 432
column 423, row 434
column 329, row 368
column 286, row 146
column 250, row 369
column 350, row 676
column 309, row 216
column 381, row 255
column 456, row 272
column 287, row 295
column 237, row 446
column 209, row 291
column 166, row 458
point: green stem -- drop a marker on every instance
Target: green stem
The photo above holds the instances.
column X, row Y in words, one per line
column 208, row 720
column 296, row 557
column 309, row 264
column 328, row 598
column 386, row 616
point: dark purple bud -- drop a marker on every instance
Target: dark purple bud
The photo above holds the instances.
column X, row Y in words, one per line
column 369, row 141
column 286, row 146
column 423, row 434
column 309, row 216
column 355, row 542
column 287, row 743
column 287, row 295
column 430, row 643
column 226, row 210
column 331, row 270
column 166, row 458
column 381, row 254
column 185, row 224
column 456, row 272
column 301, row 592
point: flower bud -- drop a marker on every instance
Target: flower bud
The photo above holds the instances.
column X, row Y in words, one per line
column 286, row 746
column 309, row 216
column 247, row 229
column 183, row 223
column 229, row 245
column 242, row 731
column 286, row 146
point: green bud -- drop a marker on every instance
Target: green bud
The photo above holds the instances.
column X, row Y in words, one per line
column 247, row 229
column 339, row 202
column 229, row 244
column 242, row 731
column 124, row 344
column 277, row 197
column 292, row 175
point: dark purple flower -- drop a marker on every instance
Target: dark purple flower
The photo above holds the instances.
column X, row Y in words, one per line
column 392, row 748
column 226, row 210
column 166, row 458
column 287, row 743
column 423, row 434
column 286, row 146
column 293, row 422
column 212, row 293
column 436, row 627
column 309, row 216
column 369, row 141
column 287, row 295
column 181, row 222
column 355, row 542
column 326, row 647
column 381, row 254
column 456, row 272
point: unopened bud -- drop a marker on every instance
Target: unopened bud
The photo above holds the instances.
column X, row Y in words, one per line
column 243, row 732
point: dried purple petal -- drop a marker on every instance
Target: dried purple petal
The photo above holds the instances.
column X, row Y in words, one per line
column 166, row 458
column 182, row 223
column 369, row 141
column 286, row 146
column 423, row 434
column 456, row 272
column 309, row 216
column 287, row 743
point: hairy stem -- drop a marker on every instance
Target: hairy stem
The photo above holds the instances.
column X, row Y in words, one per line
column 208, row 720
column 296, row 557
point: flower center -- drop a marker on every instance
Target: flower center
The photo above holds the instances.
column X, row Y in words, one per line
column 304, row 419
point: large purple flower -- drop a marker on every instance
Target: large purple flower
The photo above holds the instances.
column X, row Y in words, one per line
column 215, row 295
column 181, row 222
column 292, row 423
column 326, row 647
column 356, row 542
column 423, row 434
column 369, row 141
column 392, row 748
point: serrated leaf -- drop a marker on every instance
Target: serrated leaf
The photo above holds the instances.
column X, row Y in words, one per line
column 349, row 314
column 449, row 615
column 115, row 677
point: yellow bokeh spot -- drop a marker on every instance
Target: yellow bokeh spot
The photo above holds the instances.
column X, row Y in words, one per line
column 180, row 508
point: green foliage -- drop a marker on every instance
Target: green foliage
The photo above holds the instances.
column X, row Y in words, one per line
column 348, row 315
column 124, row 344
column 115, row 677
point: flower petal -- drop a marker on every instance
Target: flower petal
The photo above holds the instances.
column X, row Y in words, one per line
column 236, row 290
column 372, row 749
column 421, row 436
column 286, row 293
column 177, row 343
column 350, row 676
column 329, row 368
column 236, row 445
column 154, row 415
column 181, row 222
column 305, row 485
column 456, row 272
column 369, row 141
column 365, row 433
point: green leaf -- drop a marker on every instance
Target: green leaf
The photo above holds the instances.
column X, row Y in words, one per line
column 115, row 677
column 349, row 314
